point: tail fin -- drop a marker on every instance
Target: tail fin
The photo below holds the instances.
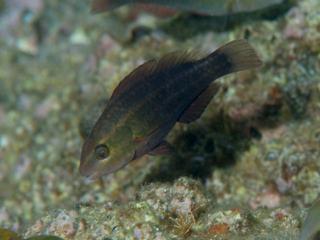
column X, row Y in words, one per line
column 235, row 56
column 98, row 6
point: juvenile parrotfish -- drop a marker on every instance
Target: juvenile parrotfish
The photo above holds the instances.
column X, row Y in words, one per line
column 206, row 7
column 150, row 100
column 311, row 226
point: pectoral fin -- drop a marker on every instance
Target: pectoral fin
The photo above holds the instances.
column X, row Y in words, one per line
column 162, row 149
column 153, row 142
column 194, row 111
column 98, row 6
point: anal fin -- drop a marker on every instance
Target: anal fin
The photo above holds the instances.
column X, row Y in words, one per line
column 197, row 107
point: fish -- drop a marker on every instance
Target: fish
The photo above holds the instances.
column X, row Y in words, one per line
column 311, row 226
column 205, row 7
column 148, row 102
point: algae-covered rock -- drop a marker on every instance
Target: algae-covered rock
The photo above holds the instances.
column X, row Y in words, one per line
column 162, row 211
column 158, row 207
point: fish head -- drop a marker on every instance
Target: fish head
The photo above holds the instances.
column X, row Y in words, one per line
column 102, row 156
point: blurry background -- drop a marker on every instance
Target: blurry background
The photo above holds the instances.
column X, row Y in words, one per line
column 248, row 167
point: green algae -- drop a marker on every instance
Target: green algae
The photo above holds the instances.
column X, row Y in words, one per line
column 6, row 234
column 44, row 237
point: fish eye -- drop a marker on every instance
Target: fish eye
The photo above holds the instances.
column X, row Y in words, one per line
column 101, row 152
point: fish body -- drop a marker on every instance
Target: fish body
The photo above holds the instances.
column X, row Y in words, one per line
column 207, row 7
column 150, row 100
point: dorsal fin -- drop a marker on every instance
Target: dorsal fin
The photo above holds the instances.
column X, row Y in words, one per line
column 197, row 107
column 150, row 67
column 135, row 76
column 177, row 57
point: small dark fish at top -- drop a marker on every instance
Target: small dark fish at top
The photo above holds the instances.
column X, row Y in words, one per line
column 150, row 100
column 205, row 7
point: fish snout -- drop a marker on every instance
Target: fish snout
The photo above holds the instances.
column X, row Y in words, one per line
column 87, row 167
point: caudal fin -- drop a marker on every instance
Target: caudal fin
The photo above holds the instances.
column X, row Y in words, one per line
column 235, row 56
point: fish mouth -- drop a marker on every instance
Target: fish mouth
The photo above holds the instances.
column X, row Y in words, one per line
column 87, row 166
column 87, row 170
column 91, row 178
column 91, row 170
